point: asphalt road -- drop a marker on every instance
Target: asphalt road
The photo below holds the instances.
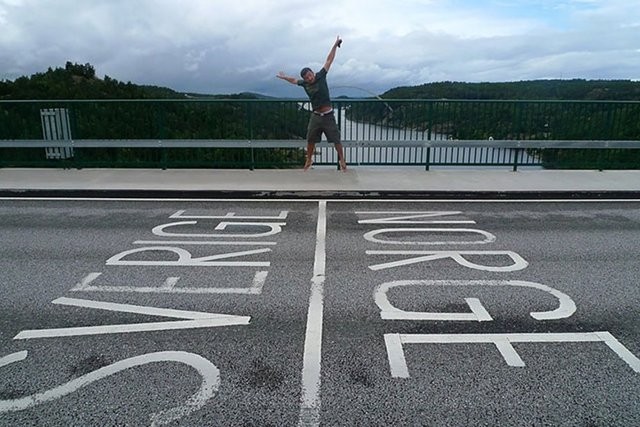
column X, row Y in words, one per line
column 333, row 313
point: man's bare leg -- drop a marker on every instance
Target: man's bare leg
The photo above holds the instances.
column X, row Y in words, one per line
column 311, row 149
column 341, row 161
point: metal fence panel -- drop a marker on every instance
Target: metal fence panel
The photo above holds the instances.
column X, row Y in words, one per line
column 56, row 127
column 207, row 132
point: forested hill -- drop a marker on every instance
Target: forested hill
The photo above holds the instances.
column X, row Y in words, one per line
column 76, row 81
column 577, row 89
column 79, row 81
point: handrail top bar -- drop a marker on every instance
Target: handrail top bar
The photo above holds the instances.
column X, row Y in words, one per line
column 292, row 143
column 304, row 100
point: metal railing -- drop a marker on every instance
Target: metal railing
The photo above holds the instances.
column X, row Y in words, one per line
column 271, row 133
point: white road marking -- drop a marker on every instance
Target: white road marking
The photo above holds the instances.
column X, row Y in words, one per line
column 180, row 214
column 197, row 319
column 208, row 371
column 186, row 260
column 132, row 327
column 503, row 343
column 14, row 357
column 136, row 309
column 488, row 237
column 169, row 287
column 565, row 309
column 310, row 398
column 408, row 217
column 275, row 228
column 204, row 243
column 519, row 263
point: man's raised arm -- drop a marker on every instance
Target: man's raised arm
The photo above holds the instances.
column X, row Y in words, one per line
column 332, row 54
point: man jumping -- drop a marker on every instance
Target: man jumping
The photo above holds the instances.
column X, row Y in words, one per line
column 322, row 119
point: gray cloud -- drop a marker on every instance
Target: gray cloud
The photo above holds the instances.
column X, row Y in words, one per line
column 227, row 47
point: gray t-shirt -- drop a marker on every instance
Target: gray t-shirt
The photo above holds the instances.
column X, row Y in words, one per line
column 318, row 91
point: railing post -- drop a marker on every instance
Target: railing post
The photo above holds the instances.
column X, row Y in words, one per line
column 252, row 165
column 163, row 156
column 161, row 133
column 515, row 160
column 250, row 126
column 344, row 149
column 428, row 160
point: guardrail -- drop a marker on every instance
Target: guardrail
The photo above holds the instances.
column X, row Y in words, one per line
column 270, row 133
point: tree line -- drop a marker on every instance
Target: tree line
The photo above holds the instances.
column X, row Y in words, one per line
column 554, row 89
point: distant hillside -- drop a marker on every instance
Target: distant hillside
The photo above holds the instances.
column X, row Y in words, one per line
column 577, row 89
column 78, row 81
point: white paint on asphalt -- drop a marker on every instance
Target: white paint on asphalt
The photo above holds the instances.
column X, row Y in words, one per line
column 310, row 401
column 186, row 260
column 566, row 306
column 503, row 342
column 180, row 214
column 169, row 287
column 408, row 217
column 197, row 319
column 137, row 309
column 518, row 262
column 488, row 237
column 14, row 357
column 204, row 243
column 275, row 228
column 208, row 372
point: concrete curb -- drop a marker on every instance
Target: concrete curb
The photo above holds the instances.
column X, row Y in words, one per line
column 312, row 194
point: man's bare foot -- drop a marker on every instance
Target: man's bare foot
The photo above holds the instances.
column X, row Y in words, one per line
column 307, row 164
column 343, row 166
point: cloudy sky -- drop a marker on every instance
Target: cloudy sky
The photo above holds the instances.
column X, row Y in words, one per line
column 227, row 46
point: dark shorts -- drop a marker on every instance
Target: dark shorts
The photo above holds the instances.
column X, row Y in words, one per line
column 323, row 124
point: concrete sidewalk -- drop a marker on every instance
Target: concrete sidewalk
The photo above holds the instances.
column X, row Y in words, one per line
column 356, row 181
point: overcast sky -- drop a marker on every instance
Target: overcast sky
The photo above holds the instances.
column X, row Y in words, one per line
column 226, row 46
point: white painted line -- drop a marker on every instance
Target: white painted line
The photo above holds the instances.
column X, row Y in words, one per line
column 179, row 214
column 86, row 281
column 136, row 309
column 408, row 217
column 413, row 214
column 14, row 357
column 209, row 373
column 503, row 343
column 186, row 260
column 197, row 319
column 132, row 327
column 395, row 354
column 170, row 283
column 182, row 242
column 481, row 313
column 310, row 397
column 620, row 350
column 169, row 287
column 509, row 354
column 518, row 262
